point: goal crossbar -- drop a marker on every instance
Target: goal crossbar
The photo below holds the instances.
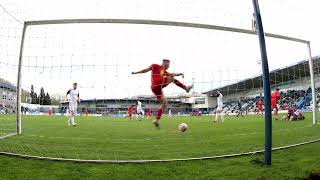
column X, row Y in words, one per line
column 163, row 23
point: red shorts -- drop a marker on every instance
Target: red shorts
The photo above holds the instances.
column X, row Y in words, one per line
column 130, row 114
column 158, row 86
column 259, row 108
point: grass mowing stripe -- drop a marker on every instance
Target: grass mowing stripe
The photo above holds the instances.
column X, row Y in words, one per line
column 118, row 138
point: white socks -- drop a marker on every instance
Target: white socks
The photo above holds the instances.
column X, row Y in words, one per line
column 221, row 116
column 139, row 116
column 71, row 121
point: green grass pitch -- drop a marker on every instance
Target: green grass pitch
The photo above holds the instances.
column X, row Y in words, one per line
column 114, row 138
column 119, row 138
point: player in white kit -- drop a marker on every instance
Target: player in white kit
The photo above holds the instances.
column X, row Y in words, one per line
column 170, row 112
column 219, row 111
column 73, row 98
column 140, row 112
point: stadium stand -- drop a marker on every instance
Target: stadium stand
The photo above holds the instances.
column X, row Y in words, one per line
column 293, row 81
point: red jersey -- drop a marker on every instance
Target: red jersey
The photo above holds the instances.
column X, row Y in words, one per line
column 291, row 112
column 260, row 103
column 130, row 110
column 157, row 74
column 275, row 96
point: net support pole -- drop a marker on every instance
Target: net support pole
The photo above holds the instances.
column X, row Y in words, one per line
column 18, row 111
column 313, row 87
column 266, row 85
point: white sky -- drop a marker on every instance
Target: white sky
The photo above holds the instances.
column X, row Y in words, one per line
column 100, row 57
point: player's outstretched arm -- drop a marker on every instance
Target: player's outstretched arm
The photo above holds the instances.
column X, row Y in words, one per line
column 142, row 71
column 177, row 74
column 78, row 99
column 67, row 95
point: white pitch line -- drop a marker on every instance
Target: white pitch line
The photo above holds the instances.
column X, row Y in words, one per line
column 156, row 160
column 8, row 135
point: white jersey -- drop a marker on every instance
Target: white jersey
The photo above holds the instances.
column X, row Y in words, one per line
column 219, row 100
column 140, row 111
column 139, row 106
column 73, row 96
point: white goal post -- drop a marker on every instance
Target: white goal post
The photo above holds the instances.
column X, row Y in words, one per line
column 153, row 22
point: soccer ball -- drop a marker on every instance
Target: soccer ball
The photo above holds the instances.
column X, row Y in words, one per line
column 183, row 127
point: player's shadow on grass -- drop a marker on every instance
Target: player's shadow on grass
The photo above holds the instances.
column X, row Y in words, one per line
column 313, row 176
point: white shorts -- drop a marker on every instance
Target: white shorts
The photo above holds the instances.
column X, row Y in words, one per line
column 140, row 111
column 73, row 108
column 219, row 108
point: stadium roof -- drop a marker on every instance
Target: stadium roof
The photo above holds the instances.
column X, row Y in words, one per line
column 277, row 77
column 7, row 86
column 126, row 100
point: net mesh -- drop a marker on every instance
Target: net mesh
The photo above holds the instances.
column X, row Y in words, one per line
column 10, row 36
column 101, row 58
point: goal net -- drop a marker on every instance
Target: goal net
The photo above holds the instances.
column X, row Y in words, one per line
column 100, row 56
column 10, row 37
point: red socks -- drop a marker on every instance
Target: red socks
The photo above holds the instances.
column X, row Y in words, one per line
column 178, row 83
column 159, row 114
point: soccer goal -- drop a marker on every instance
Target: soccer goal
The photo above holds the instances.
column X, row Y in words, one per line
column 112, row 106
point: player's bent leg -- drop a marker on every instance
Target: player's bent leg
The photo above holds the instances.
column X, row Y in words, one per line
column 217, row 114
column 157, row 90
column 71, row 114
column 222, row 117
column 179, row 84
column 163, row 106
column 69, row 120
column 170, row 79
column 70, row 117
column 73, row 109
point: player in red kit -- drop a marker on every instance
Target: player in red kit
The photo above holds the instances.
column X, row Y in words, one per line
column 275, row 96
column 160, row 79
column 130, row 111
column 260, row 104
column 149, row 112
